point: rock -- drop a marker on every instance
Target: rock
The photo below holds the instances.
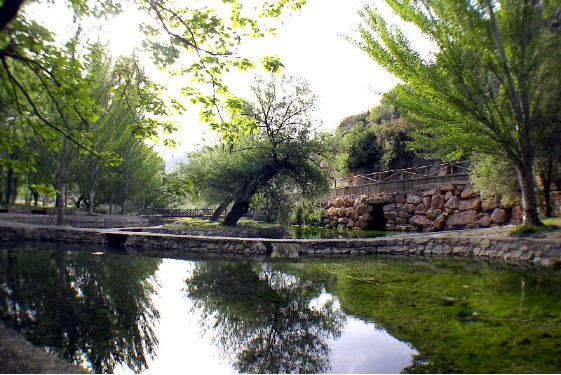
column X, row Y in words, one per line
column 364, row 209
column 470, row 204
column 485, row 221
column 426, row 201
column 437, row 202
column 413, row 198
column 420, row 221
column 461, row 218
column 447, row 188
column 499, row 216
column 473, row 225
column 517, row 213
column 366, row 218
column 489, row 204
column 428, row 192
column 440, row 222
column 399, row 198
column 332, row 211
column 448, row 195
column 385, row 199
column 350, row 211
column 348, row 201
column 342, row 211
column 453, row 203
column 409, row 207
column 389, row 207
column 469, row 192
column 339, row 202
column 433, row 214
column 391, row 215
column 343, row 220
column 421, row 209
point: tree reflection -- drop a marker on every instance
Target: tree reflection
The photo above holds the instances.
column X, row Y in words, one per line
column 263, row 320
column 94, row 310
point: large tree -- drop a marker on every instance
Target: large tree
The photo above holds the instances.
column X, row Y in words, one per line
column 490, row 83
column 282, row 130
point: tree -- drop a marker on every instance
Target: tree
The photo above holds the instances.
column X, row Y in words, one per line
column 488, row 87
column 282, row 131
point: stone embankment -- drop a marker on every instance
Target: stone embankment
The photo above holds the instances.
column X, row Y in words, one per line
column 446, row 207
column 481, row 243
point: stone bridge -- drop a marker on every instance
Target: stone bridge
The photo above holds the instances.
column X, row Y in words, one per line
column 435, row 207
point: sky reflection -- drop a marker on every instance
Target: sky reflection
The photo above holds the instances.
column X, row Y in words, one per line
column 361, row 348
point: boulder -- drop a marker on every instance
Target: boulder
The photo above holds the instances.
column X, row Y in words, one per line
column 413, row 198
column 409, row 207
column 461, row 218
column 485, row 221
column 383, row 199
column 399, row 198
column 469, row 192
column 447, row 188
column 470, row 204
column 348, row 201
column 489, row 204
column 339, row 202
column 433, row 214
column 437, row 202
column 390, row 215
column 364, row 209
column 453, row 203
column 440, row 222
column 426, row 200
column 420, row 221
column 331, row 211
column 390, row 207
column 517, row 213
column 421, row 209
column 499, row 216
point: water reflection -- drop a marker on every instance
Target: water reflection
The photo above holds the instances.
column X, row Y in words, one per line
column 343, row 315
column 93, row 310
column 262, row 320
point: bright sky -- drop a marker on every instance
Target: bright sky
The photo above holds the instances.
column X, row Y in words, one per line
column 310, row 44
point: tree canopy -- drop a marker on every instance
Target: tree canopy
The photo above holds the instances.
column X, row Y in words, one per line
column 491, row 85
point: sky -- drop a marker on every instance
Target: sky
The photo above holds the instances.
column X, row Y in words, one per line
column 311, row 44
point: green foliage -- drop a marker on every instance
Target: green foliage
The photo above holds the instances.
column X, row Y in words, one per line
column 494, row 177
column 488, row 84
column 359, row 151
column 306, row 214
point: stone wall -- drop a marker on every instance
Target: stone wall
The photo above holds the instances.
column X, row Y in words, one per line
column 445, row 207
column 535, row 252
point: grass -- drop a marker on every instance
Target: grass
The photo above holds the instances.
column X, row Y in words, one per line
column 202, row 223
column 550, row 225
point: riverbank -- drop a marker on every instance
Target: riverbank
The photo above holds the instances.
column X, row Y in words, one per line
column 488, row 243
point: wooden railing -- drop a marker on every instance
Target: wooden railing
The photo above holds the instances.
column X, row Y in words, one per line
column 399, row 180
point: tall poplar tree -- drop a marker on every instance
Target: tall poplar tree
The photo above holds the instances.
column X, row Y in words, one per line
column 491, row 83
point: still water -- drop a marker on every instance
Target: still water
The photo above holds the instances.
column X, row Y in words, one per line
column 125, row 314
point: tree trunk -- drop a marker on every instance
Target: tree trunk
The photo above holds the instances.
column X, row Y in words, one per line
column 125, row 193
column 547, row 189
column 527, row 185
column 220, row 209
column 61, row 182
column 239, row 209
column 8, row 11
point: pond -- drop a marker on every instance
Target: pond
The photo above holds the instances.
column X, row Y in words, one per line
column 124, row 314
